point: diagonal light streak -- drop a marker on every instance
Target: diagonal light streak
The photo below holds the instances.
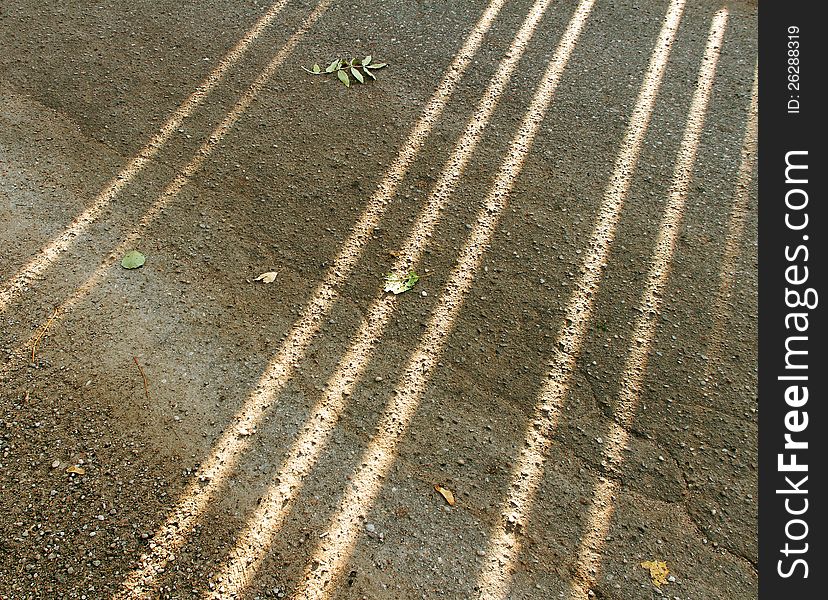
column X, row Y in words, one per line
column 134, row 587
column 495, row 577
column 332, row 555
column 234, row 442
column 735, row 230
column 251, row 547
column 50, row 253
column 203, row 152
column 606, row 490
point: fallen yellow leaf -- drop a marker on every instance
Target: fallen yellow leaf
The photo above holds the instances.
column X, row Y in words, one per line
column 658, row 571
column 76, row 470
column 445, row 493
column 268, row 277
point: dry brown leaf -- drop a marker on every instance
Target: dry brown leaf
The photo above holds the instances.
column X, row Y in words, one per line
column 268, row 277
column 76, row 470
column 658, row 571
column 445, row 493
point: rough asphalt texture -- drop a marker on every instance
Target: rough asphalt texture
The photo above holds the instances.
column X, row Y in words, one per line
column 84, row 85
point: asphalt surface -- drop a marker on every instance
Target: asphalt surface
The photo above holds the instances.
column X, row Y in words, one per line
column 576, row 364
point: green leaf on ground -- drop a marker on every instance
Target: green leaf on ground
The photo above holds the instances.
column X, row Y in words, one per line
column 397, row 284
column 357, row 75
column 343, row 77
column 133, row 260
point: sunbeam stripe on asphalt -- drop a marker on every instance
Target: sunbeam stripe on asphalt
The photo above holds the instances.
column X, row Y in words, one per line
column 132, row 584
column 52, row 251
column 495, row 576
column 606, row 490
column 232, row 444
column 251, row 546
column 331, row 555
column 172, row 189
column 735, row 230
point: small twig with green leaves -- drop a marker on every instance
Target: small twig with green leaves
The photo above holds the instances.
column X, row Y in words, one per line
column 342, row 67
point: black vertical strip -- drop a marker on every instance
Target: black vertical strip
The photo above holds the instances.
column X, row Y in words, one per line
column 792, row 357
